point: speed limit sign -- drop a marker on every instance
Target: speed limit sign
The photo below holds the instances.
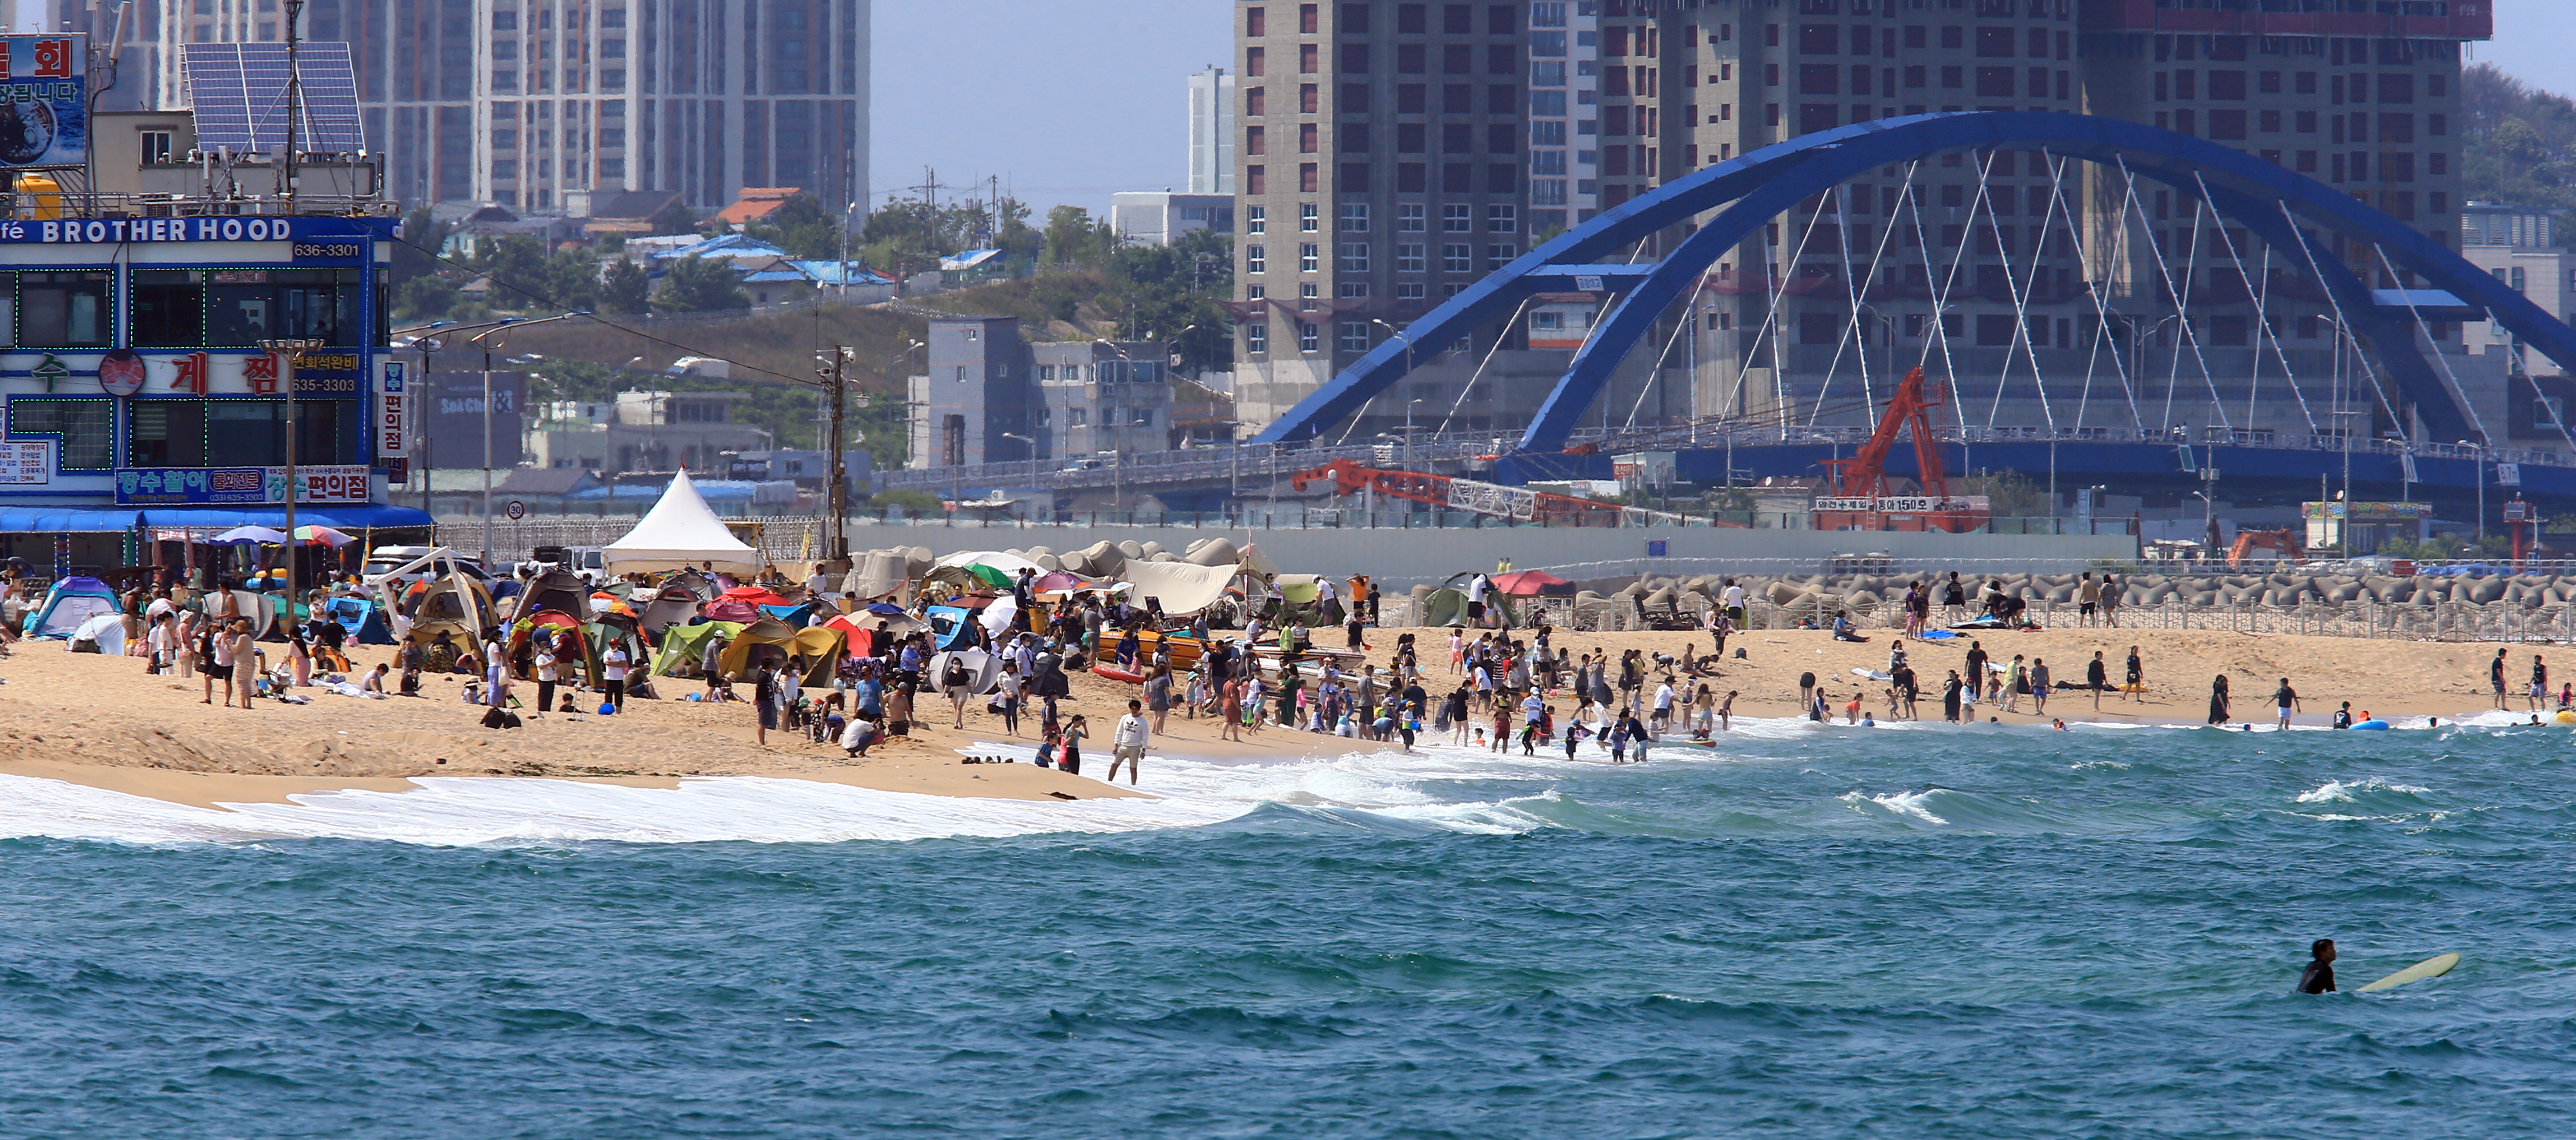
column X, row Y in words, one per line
column 518, row 510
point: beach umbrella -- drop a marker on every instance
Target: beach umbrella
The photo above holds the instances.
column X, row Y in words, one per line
column 322, row 536
column 246, row 535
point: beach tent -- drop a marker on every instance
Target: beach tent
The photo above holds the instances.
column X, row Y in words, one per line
column 880, row 574
column 671, row 605
column 796, row 616
column 364, row 620
column 1444, row 607
column 679, row 532
column 1182, row 588
column 554, row 590
column 771, row 640
column 1533, row 583
column 549, row 624
column 992, row 567
column 71, row 602
column 856, row 640
column 951, row 628
column 682, row 644
column 598, row 636
column 1298, row 589
column 104, row 633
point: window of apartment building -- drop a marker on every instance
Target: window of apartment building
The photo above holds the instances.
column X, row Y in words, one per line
column 1256, row 219
column 1310, row 99
column 1457, row 218
column 1349, row 290
column 1355, row 336
column 1458, row 257
column 1309, row 255
column 1502, row 220
column 501, row 22
column 1255, row 180
column 1308, row 136
column 1548, row 163
column 1354, row 217
column 1354, row 257
column 1256, row 337
column 1254, row 61
column 1308, row 181
column 1309, row 219
column 1310, row 59
column 1500, row 255
column 1256, row 140
column 1409, row 257
column 1410, row 217
column 156, row 146
column 1410, row 291
column 1255, row 25
column 1256, row 259
column 1255, row 103
column 1309, row 337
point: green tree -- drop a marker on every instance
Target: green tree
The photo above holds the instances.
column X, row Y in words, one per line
column 913, row 502
column 698, row 285
column 800, row 226
column 516, row 267
column 625, row 288
column 572, row 279
column 675, row 218
column 1160, row 290
column 1073, row 238
column 2521, row 144
column 426, row 298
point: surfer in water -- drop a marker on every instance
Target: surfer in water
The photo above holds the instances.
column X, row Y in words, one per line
column 2319, row 978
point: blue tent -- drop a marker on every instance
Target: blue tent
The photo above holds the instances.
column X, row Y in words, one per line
column 951, row 628
column 796, row 616
column 71, row 602
column 364, row 620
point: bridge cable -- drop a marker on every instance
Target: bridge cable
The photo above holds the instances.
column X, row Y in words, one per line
column 2343, row 325
column 2021, row 292
column 1941, row 300
column 1777, row 286
column 2182, row 308
column 1472, row 377
column 2101, row 310
column 2475, row 419
column 2263, row 320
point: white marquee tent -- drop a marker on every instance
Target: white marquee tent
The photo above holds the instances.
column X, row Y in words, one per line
column 680, row 532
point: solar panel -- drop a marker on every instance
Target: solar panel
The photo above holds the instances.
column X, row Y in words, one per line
column 239, row 92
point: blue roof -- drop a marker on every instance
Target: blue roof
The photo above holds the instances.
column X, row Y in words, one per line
column 712, row 490
column 829, row 272
column 768, row 275
column 730, row 245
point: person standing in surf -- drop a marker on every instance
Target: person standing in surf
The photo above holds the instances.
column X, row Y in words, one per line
column 2218, row 699
column 2286, row 699
column 2318, row 978
column 2097, row 677
column 2495, row 677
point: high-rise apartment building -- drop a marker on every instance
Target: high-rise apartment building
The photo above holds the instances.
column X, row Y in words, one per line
column 1381, row 168
column 2007, row 260
column 1212, row 132
column 522, row 102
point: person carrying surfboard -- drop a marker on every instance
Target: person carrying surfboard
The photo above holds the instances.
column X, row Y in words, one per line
column 2319, row 976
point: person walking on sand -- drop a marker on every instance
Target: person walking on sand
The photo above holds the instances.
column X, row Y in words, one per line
column 2039, row 686
column 2495, row 677
column 2097, row 677
column 2136, row 688
column 2286, row 699
column 2218, row 700
column 612, row 673
column 1127, row 744
column 2088, row 597
column 245, row 663
column 1950, row 691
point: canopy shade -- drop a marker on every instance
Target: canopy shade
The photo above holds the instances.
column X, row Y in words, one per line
column 679, row 532
column 1525, row 583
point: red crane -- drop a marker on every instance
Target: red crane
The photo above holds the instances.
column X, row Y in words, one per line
column 1857, row 497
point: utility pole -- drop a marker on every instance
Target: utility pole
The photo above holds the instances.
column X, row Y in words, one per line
column 285, row 351
column 294, row 103
column 837, row 497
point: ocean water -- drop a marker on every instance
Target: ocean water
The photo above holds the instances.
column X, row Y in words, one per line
column 1906, row 932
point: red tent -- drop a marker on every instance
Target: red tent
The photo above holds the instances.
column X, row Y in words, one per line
column 1526, row 583
column 754, row 595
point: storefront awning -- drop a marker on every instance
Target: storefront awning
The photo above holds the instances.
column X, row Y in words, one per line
column 348, row 518
column 64, row 520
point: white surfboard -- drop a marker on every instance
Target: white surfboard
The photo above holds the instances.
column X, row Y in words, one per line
column 1873, row 674
column 2432, row 967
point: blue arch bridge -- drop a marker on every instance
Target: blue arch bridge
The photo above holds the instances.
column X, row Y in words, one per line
column 2345, row 365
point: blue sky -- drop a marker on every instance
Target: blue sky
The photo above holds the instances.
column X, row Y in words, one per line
column 1069, row 100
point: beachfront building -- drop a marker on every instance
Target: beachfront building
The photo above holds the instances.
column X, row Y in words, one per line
column 990, row 396
column 137, row 398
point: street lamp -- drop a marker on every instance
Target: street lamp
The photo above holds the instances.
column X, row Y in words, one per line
column 477, row 339
column 2208, row 523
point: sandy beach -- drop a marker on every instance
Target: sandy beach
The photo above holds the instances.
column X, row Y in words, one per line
column 102, row 722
